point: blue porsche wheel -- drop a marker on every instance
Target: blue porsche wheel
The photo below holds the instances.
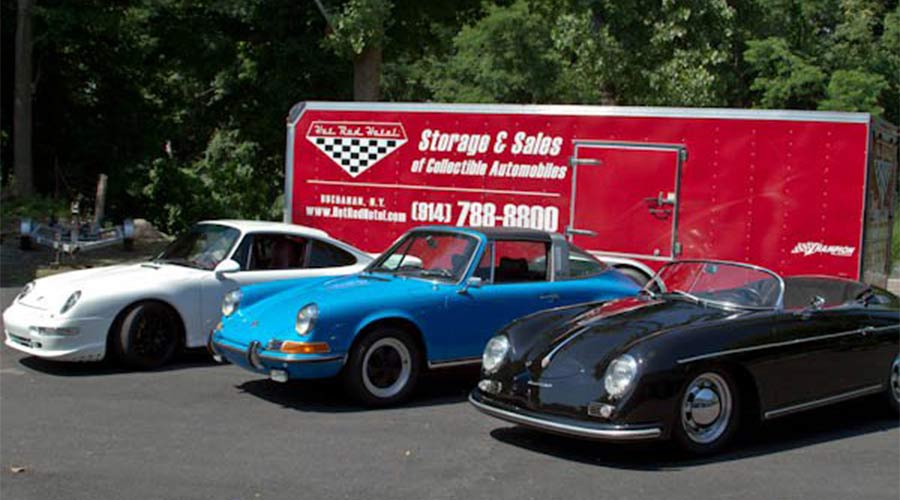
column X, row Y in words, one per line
column 383, row 367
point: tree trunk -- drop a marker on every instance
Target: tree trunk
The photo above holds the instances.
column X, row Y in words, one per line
column 22, row 119
column 367, row 75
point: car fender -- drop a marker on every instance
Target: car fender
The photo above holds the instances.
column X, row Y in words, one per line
column 386, row 314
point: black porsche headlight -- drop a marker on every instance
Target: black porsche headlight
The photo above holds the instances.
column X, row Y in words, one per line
column 620, row 374
column 495, row 353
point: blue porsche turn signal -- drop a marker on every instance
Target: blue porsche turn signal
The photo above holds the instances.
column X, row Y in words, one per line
column 290, row 347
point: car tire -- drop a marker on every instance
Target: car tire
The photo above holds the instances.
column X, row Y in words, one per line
column 148, row 336
column 383, row 367
column 893, row 386
column 708, row 412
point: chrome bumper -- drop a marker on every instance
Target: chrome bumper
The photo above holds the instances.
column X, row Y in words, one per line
column 605, row 432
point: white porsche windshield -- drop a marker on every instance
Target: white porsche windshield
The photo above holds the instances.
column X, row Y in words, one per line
column 719, row 283
column 203, row 246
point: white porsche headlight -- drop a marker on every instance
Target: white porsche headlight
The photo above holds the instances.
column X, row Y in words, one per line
column 619, row 375
column 231, row 302
column 70, row 302
column 306, row 319
column 26, row 290
column 495, row 353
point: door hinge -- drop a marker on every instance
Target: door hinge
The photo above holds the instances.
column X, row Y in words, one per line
column 676, row 250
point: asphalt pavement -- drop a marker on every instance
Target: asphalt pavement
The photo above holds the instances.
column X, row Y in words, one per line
column 203, row 431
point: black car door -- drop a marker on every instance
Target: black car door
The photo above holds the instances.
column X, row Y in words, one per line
column 814, row 355
column 879, row 337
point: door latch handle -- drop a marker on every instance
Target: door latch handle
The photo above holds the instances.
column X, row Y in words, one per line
column 867, row 330
column 549, row 296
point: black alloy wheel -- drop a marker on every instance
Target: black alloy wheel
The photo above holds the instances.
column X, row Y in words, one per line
column 148, row 336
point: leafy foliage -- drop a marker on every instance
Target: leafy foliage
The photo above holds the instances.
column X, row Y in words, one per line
column 117, row 81
column 360, row 23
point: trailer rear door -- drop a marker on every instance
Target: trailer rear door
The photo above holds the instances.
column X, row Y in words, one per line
column 625, row 198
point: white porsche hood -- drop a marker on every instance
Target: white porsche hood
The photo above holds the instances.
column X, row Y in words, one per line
column 51, row 293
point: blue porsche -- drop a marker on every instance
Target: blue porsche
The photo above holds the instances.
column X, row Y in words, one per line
column 430, row 301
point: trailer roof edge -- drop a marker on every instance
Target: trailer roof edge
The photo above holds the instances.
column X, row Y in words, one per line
column 583, row 110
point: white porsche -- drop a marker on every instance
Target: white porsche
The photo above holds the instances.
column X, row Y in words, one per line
column 143, row 313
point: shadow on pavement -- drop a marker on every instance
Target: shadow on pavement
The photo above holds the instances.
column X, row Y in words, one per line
column 193, row 358
column 437, row 388
column 854, row 418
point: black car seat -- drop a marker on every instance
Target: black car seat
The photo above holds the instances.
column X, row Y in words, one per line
column 511, row 270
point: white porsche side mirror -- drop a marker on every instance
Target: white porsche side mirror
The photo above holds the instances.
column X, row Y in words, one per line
column 227, row 266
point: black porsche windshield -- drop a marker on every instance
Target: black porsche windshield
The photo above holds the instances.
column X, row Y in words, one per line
column 203, row 246
column 430, row 255
column 718, row 283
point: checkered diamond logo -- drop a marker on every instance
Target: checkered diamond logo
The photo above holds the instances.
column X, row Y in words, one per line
column 356, row 146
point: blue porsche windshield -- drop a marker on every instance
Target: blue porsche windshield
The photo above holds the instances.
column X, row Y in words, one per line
column 430, row 255
column 719, row 283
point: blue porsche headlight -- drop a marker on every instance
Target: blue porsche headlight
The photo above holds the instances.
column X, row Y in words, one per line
column 306, row 319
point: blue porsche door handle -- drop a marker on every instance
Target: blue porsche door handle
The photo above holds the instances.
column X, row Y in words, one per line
column 551, row 297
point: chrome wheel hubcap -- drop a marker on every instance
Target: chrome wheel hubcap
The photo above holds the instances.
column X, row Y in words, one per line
column 895, row 378
column 386, row 367
column 706, row 408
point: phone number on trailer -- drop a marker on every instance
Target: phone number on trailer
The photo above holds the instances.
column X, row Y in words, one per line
column 487, row 214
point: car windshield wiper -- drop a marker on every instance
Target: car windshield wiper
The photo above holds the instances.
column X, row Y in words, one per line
column 685, row 295
column 370, row 274
column 179, row 262
column 437, row 273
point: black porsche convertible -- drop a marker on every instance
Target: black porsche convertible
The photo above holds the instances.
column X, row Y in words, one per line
column 705, row 343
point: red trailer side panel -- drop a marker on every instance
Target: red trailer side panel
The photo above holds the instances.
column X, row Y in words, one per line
column 785, row 191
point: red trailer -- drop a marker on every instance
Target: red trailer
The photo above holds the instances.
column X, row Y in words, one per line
column 798, row 192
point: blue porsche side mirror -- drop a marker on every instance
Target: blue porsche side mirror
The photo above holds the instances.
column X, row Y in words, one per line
column 472, row 282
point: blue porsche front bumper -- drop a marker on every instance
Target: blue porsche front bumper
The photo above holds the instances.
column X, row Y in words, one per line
column 275, row 364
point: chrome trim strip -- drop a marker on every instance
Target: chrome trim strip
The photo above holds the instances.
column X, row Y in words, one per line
column 292, row 358
column 571, row 430
column 867, row 329
column 288, row 358
column 787, row 410
column 576, row 110
column 454, row 362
